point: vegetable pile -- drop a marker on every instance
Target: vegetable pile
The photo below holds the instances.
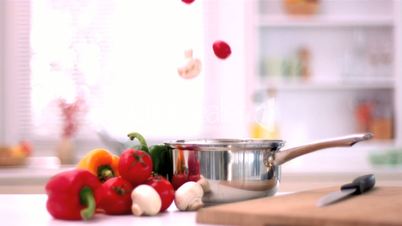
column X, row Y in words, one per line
column 139, row 181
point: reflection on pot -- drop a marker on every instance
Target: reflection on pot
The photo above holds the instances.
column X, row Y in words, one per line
column 187, row 168
column 231, row 175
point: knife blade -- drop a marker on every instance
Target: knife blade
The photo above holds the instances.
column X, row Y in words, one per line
column 358, row 186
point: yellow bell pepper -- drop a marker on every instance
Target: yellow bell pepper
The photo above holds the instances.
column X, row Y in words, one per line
column 101, row 163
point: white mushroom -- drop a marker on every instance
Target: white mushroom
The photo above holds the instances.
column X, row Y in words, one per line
column 146, row 201
column 191, row 69
column 189, row 196
column 204, row 184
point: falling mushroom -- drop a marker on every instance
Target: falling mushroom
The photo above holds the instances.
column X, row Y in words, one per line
column 192, row 66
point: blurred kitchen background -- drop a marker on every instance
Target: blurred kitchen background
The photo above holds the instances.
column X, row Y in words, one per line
column 81, row 74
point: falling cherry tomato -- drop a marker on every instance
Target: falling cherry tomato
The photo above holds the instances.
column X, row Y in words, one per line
column 188, row 1
column 221, row 49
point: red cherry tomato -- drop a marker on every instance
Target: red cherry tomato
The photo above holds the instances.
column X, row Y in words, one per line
column 164, row 189
column 188, row 1
column 135, row 166
column 221, row 49
column 115, row 196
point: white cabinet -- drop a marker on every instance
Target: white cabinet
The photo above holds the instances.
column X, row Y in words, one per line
column 334, row 72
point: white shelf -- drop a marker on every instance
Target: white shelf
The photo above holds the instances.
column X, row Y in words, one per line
column 278, row 21
column 332, row 96
column 319, row 86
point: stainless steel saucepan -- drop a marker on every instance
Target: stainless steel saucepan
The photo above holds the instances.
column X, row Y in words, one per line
column 241, row 169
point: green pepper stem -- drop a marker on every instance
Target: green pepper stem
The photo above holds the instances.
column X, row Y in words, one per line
column 141, row 139
column 87, row 199
column 104, row 173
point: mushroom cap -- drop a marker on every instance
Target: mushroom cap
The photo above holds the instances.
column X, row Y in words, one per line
column 189, row 196
column 146, row 201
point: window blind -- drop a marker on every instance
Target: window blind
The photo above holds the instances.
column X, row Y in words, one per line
column 2, row 140
column 120, row 57
column 16, row 87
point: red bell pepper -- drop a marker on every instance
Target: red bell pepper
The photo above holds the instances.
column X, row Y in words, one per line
column 71, row 195
column 115, row 195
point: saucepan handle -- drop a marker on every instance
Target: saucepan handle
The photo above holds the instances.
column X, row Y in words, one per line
column 286, row 155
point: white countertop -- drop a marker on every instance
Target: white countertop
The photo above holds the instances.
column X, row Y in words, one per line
column 28, row 209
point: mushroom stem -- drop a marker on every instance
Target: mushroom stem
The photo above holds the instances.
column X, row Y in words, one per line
column 195, row 204
column 136, row 209
column 204, row 184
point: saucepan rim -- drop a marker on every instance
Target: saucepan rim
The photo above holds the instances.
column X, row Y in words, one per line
column 224, row 144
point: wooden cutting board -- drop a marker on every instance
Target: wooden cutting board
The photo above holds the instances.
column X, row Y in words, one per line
column 380, row 206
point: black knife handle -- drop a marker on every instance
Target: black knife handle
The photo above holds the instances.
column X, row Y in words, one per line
column 361, row 184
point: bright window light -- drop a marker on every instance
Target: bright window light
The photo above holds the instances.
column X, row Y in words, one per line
column 121, row 57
